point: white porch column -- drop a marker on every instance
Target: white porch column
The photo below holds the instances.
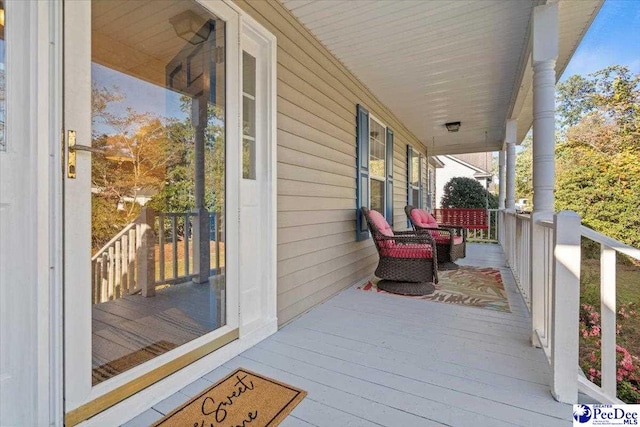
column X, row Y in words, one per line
column 545, row 51
column 502, row 185
column 511, row 135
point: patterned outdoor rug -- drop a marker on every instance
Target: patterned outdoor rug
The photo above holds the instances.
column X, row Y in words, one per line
column 472, row 286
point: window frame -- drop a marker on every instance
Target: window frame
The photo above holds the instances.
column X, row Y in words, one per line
column 363, row 169
column 412, row 154
column 372, row 176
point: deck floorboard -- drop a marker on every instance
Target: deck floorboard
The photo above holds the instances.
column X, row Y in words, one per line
column 372, row 359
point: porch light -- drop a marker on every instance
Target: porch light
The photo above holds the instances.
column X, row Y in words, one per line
column 1, row 14
column 453, row 126
column 191, row 27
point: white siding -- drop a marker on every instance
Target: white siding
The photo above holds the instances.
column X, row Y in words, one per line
column 317, row 98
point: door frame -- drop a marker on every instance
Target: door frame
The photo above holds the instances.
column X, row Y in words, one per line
column 118, row 401
column 82, row 400
column 264, row 45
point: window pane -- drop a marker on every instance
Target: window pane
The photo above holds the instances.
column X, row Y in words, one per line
column 248, row 158
column 248, row 74
column 377, row 138
column 415, row 169
column 158, row 110
column 377, row 196
column 248, row 116
column 415, row 193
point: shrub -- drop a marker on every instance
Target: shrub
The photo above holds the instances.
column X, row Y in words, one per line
column 467, row 193
column 627, row 375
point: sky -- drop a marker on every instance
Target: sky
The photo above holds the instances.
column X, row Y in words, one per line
column 612, row 39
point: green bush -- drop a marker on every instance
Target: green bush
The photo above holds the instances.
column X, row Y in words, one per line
column 467, row 193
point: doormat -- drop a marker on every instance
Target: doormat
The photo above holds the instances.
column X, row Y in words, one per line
column 472, row 286
column 113, row 368
column 242, row 398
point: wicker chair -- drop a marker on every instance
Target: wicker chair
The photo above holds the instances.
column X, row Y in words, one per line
column 405, row 256
column 451, row 241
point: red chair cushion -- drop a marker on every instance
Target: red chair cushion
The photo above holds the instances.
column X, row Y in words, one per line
column 407, row 251
column 383, row 226
column 422, row 218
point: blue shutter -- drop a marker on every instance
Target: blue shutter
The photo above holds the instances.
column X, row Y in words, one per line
column 389, row 190
column 362, row 174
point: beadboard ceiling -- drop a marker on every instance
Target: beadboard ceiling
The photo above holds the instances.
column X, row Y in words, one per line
column 438, row 61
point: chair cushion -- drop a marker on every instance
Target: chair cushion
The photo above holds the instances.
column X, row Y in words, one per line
column 383, row 227
column 407, row 251
column 422, row 218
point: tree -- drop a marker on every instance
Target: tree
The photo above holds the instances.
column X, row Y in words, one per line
column 524, row 184
column 464, row 192
column 598, row 156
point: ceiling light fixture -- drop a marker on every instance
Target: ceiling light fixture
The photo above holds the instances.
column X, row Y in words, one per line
column 191, row 27
column 453, row 126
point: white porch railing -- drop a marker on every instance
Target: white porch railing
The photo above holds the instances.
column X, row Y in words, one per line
column 609, row 248
column 157, row 248
column 547, row 271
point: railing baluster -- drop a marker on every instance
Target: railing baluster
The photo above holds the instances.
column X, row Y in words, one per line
column 608, row 315
column 111, row 273
column 132, row 260
column 161, row 243
column 218, row 238
column 174, row 239
column 105, row 277
column 94, row 270
column 117, row 283
column 186, row 243
column 125, row 265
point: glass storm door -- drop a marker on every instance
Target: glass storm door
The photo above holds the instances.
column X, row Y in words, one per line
column 145, row 200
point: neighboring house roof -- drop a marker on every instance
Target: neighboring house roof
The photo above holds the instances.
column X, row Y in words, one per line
column 435, row 162
column 479, row 172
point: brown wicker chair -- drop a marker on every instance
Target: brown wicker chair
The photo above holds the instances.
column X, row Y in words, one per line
column 451, row 241
column 405, row 256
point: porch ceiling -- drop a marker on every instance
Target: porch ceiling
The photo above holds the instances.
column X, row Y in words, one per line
column 438, row 61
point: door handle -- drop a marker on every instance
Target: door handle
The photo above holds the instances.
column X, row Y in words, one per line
column 73, row 147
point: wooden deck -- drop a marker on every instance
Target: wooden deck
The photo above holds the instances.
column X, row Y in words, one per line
column 370, row 359
column 130, row 330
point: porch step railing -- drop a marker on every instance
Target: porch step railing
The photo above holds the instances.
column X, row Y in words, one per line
column 113, row 267
column 544, row 255
column 157, row 248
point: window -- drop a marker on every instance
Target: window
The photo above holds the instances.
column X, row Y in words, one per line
column 248, row 116
column 377, row 164
column 414, row 178
column 374, row 143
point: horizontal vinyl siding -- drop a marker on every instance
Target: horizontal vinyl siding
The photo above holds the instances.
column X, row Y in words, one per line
column 317, row 97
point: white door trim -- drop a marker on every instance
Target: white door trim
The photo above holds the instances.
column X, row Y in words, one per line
column 238, row 22
column 268, row 45
column 78, row 389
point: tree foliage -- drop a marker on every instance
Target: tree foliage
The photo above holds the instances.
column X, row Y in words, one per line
column 597, row 152
column 462, row 192
column 145, row 153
